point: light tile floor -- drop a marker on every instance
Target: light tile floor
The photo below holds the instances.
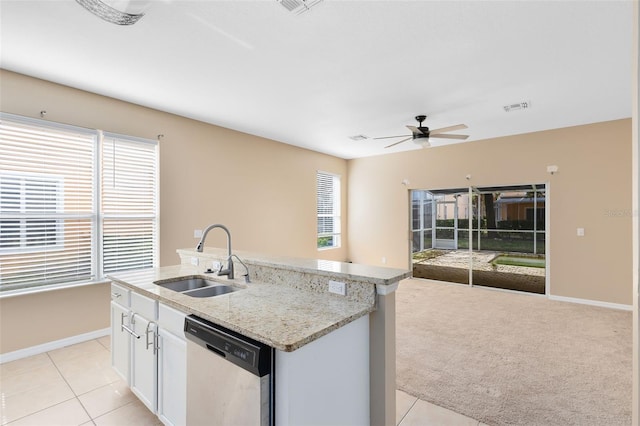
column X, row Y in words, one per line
column 75, row 385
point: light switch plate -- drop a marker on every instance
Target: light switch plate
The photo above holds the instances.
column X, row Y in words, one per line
column 195, row 261
column 580, row 232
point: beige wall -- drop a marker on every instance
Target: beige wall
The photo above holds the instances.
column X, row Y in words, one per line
column 264, row 191
column 48, row 316
column 591, row 190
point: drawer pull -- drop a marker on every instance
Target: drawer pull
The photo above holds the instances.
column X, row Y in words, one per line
column 155, row 337
column 127, row 329
column 116, row 295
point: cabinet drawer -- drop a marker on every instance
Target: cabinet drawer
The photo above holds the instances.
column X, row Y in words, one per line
column 171, row 320
column 121, row 295
column 145, row 306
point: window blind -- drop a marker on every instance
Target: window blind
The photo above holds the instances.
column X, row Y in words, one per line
column 75, row 204
column 129, row 203
column 328, row 210
column 46, row 204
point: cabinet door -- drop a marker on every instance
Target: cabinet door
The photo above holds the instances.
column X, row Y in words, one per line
column 172, row 379
column 144, row 365
column 120, row 341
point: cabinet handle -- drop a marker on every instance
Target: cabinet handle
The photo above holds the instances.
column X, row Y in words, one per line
column 154, row 342
column 127, row 329
column 116, row 295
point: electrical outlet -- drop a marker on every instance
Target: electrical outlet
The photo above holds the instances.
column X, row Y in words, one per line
column 337, row 287
column 215, row 265
column 197, row 233
column 580, row 232
column 195, row 261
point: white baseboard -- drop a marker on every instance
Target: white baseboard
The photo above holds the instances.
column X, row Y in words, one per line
column 610, row 305
column 56, row 344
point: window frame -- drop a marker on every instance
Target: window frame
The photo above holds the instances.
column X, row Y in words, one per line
column 336, row 234
column 93, row 215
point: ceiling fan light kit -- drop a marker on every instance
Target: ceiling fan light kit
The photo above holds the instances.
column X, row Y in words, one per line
column 421, row 134
column 423, row 142
column 109, row 13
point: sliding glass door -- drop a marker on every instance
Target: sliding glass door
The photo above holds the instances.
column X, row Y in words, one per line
column 488, row 236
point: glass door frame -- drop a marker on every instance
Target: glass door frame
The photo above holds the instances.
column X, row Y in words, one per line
column 475, row 212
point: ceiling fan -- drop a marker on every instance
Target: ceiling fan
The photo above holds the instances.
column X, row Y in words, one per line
column 422, row 134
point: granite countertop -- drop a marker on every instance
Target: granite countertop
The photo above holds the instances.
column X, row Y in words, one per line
column 377, row 275
column 277, row 315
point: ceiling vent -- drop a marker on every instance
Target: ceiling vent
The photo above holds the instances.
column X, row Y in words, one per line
column 515, row 107
column 298, row 7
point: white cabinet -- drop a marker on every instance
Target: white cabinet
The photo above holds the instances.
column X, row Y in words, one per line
column 144, row 362
column 120, row 336
column 172, row 367
column 120, row 341
column 148, row 349
column 172, row 380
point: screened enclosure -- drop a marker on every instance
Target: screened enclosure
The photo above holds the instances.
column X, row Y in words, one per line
column 481, row 235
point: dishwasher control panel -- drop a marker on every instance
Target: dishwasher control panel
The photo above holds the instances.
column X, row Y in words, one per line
column 243, row 351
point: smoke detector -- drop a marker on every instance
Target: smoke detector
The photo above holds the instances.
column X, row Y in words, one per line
column 518, row 106
column 298, row 7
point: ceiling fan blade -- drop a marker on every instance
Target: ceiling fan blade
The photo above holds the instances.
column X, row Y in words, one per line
column 396, row 143
column 447, row 129
column 389, row 137
column 461, row 137
column 415, row 130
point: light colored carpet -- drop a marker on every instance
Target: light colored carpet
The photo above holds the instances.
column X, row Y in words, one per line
column 513, row 359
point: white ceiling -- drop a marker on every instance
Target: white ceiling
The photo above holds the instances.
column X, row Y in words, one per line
column 344, row 67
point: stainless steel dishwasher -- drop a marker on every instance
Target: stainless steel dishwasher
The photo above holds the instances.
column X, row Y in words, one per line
column 230, row 377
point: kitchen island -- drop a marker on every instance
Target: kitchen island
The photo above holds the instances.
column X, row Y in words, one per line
column 288, row 307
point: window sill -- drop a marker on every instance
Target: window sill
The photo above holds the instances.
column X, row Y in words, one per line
column 43, row 289
column 328, row 248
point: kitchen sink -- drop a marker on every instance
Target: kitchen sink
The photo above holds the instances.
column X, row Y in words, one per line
column 215, row 290
column 197, row 287
column 187, row 284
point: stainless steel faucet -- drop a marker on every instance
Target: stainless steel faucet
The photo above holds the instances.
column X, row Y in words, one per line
column 229, row 271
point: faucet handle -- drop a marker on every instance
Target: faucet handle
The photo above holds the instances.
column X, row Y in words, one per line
column 215, row 266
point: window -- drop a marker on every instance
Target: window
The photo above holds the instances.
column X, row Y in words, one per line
column 24, row 199
column 71, row 210
column 328, row 210
column 422, row 217
column 129, row 203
